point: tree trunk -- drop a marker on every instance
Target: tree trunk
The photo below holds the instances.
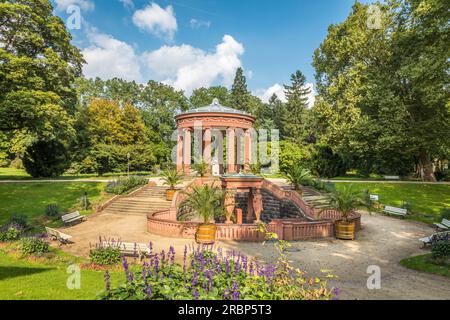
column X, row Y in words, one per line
column 427, row 171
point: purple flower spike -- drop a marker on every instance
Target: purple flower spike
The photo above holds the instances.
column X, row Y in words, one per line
column 107, row 281
column 195, row 294
column 235, row 291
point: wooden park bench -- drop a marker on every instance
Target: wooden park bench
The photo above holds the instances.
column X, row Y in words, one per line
column 391, row 178
column 72, row 217
column 441, row 236
column 58, row 236
column 374, row 197
column 395, row 211
column 444, row 225
column 130, row 248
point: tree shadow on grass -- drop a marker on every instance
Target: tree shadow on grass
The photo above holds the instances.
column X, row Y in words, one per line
column 14, row 272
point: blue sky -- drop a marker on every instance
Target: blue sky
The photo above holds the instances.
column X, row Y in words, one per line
column 192, row 43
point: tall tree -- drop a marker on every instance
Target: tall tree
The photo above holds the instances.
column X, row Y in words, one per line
column 384, row 92
column 38, row 66
column 204, row 96
column 297, row 95
column 240, row 95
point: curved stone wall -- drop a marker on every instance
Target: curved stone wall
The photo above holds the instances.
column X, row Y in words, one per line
column 311, row 226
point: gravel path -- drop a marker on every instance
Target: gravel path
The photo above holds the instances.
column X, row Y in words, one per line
column 384, row 241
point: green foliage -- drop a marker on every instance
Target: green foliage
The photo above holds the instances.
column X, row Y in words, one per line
column 383, row 95
column 38, row 66
column 33, row 246
column 20, row 220
column 445, row 213
column 52, row 210
column 201, row 167
column 205, row 202
column 107, row 133
column 292, row 154
column 295, row 121
column 298, row 175
column 443, row 175
column 46, row 159
column 212, row 275
column 10, row 233
column 124, row 184
column 105, row 256
column 346, row 200
column 240, row 96
column 327, row 164
column 172, row 177
column 204, row 96
column 441, row 250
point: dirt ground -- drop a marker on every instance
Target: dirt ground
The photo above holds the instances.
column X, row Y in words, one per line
column 383, row 242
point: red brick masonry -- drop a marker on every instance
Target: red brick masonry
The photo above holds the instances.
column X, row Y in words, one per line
column 165, row 223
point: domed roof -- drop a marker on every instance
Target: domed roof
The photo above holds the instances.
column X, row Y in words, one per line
column 216, row 107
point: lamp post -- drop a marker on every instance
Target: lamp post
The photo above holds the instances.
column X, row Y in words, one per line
column 128, row 157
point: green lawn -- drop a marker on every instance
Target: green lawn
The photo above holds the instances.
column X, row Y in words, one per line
column 427, row 200
column 21, row 279
column 19, row 174
column 31, row 199
column 422, row 263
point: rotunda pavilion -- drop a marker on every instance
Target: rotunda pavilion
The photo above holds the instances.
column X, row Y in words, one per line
column 211, row 126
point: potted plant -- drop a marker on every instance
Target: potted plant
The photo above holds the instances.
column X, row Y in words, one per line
column 297, row 176
column 201, row 167
column 346, row 201
column 171, row 177
column 207, row 203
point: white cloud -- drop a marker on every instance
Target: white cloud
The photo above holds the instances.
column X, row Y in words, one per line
column 188, row 68
column 156, row 20
column 86, row 5
column 266, row 94
column 129, row 4
column 108, row 57
column 196, row 24
column 278, row 89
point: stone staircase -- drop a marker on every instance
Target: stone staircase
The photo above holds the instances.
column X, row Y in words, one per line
column 147, row 200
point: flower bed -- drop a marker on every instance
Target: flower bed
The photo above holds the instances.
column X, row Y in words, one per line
column 211, row 274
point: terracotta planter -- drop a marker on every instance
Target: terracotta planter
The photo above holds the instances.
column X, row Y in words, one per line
column 170, row 193
column 206, row 234
column 345, row 230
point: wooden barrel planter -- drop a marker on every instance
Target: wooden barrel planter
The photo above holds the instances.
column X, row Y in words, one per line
column 345, row 230
column 206, row 234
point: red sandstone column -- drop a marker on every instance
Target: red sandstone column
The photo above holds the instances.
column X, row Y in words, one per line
column 247, row 151
column 231, row 154
column 207, row 149
column 180, row 151
column 187, row 151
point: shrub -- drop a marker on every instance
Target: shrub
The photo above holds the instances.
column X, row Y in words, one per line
column 125, row 184
column 105, row 256
column 10, row 232
column 441, row 250
column 19, row 220
column 297, row 176
column 445, row 213
column 46, row 159
column 443, row 175
column 52, row 210
column 327, row 164
column 33, row 246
